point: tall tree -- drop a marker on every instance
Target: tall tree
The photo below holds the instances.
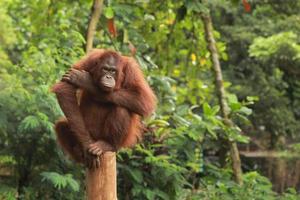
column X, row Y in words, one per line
column 211, row 44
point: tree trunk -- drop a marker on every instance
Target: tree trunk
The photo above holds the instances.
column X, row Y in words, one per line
column 102, row 182
column 279, row 175
column 234, row 152
column 96, row 12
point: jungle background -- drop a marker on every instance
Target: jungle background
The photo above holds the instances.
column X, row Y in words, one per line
column 189, row 150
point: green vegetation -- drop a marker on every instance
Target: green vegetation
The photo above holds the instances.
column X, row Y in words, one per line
column 186, row 152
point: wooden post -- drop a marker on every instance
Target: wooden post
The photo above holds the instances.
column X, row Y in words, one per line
column 101, row 183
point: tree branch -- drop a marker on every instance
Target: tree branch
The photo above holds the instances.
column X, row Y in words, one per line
column 96, row 13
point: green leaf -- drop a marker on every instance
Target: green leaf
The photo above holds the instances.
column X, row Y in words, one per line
column 210, row 111
column 136, row 175
column 252, row 98
column 29, row 123
column 60, row 181
column 232, row 98
column 161, row 194
column 195, row 6
column 245, row 110
column 211, row 132
column 149, row 194
column 109, row 12
column 235, row 106
column 73, row 184
column 181, row 120
column 142, row 63
column 159, row 122
column 215, row 110
column 207, row 109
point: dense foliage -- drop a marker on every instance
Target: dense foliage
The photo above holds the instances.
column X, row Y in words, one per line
column 178, row 158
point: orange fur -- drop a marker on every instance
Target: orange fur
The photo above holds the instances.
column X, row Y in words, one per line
column 114, row 117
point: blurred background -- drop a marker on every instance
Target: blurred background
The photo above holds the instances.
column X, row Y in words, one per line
column 202, row 142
